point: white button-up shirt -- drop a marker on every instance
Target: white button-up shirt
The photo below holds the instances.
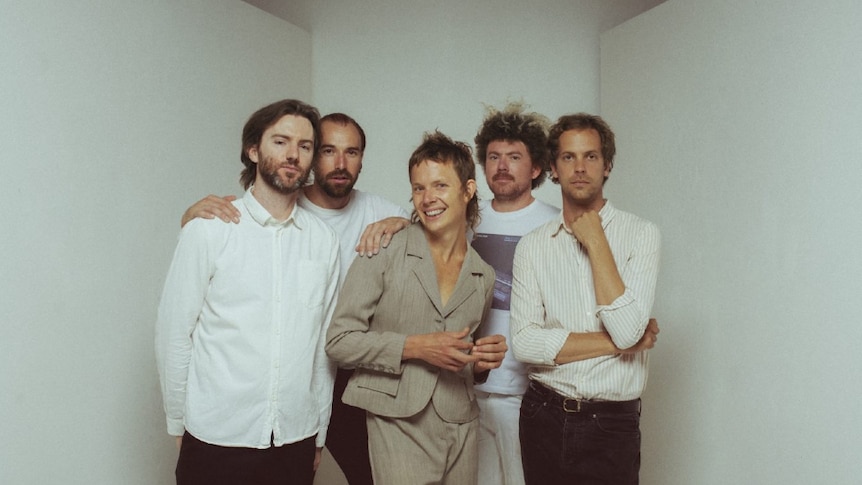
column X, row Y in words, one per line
column 553, row 295
column 241, row 326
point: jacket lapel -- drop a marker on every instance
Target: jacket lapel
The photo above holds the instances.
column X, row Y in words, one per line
column 468, row 282
column 417, row 247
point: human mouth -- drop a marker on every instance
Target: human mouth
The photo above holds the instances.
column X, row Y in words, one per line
column 434, row 213
column 339, row 177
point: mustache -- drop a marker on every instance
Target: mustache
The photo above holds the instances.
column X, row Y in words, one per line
column 340, row 172
column 290, row 162
column 502, row 176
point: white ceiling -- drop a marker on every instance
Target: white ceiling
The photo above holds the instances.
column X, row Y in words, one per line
column 301, row 12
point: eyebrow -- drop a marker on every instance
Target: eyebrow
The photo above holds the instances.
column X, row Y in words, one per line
column 292, row 137
column 332, row 145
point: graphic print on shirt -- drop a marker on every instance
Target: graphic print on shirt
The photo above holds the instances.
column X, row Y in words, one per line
column 498, row 250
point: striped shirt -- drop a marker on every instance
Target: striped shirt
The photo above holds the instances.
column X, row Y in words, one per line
column 553, row 295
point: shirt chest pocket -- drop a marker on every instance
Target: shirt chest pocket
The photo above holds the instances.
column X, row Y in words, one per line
column 309, row 282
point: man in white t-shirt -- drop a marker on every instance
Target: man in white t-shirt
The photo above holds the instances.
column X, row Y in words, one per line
column 353, row 214
column 511, row 147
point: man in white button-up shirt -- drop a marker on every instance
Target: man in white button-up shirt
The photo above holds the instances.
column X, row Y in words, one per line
column 241, row 324
column 586, row 275
column 357, row 217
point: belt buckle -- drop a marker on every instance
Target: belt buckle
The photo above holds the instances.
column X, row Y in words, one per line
column 577, row 407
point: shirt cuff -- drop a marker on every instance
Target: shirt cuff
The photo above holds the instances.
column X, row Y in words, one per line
column 554, row 342
column 176, row 427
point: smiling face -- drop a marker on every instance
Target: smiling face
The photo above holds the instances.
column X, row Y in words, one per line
column 581, row 170
column 339, row 159
column 439, row 198
column 284, row 154
column 509, row 171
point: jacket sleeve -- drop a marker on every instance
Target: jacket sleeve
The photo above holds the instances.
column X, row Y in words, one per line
column 350, row 340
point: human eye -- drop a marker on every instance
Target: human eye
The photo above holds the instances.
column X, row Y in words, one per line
column 306, row 146
column 326, row 151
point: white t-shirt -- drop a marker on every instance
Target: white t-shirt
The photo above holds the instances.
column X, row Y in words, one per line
column 495, row 239
column 351, row 220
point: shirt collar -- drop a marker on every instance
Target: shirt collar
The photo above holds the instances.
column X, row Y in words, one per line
column 606, row 213
column 263, row 217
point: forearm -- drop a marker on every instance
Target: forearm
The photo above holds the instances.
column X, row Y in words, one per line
column 627, row 316
column 582, row 346
column 607, row 282
column 380, row 351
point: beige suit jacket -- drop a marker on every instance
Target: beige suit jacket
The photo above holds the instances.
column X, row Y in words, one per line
column 390, row 296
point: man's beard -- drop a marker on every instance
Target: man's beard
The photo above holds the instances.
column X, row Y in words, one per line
column 269, row 174
column 335, row 191
column 510, row 191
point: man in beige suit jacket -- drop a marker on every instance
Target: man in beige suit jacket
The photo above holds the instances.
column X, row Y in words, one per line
column 406, row 321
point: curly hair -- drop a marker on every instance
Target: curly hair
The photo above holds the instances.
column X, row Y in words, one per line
column 513, row 124
column 440, row 148
column 261, row 120
column 583, row 121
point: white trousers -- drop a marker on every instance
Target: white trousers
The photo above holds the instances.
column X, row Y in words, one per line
column 499, row 444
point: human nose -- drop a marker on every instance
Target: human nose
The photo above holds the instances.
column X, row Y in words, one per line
column 503, row 164
column 292, row 151
column 340, row 160
column 428, row 197
column 580, row 165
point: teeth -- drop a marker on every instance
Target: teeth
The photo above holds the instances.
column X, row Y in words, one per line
column 434, row 212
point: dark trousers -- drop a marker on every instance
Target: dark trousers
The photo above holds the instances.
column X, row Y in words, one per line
column 205, row 464
column 589, row 444
column 347, row 438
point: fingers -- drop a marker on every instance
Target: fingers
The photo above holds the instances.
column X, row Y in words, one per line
column 490, row 351
column 369, row 242
column 492, row 342
column 212, row 206
column 318, row 454
column 379, row 234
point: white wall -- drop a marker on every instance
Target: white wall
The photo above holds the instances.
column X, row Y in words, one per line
column 115, row 115
column 403, row 68
column 739, row 128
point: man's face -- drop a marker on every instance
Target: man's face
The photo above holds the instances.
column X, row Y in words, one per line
column 509, row 170
column 438, row 196
column 339, row 160
column 284, row 154
column 581, row 169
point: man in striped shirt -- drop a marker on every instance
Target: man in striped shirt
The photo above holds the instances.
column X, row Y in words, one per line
column 583, row 277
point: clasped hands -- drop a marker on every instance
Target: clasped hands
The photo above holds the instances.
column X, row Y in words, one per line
column 449, row 350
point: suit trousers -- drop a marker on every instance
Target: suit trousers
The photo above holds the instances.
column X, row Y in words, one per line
column 422, row 449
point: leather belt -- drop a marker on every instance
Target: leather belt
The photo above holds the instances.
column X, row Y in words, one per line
column 571, row 405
